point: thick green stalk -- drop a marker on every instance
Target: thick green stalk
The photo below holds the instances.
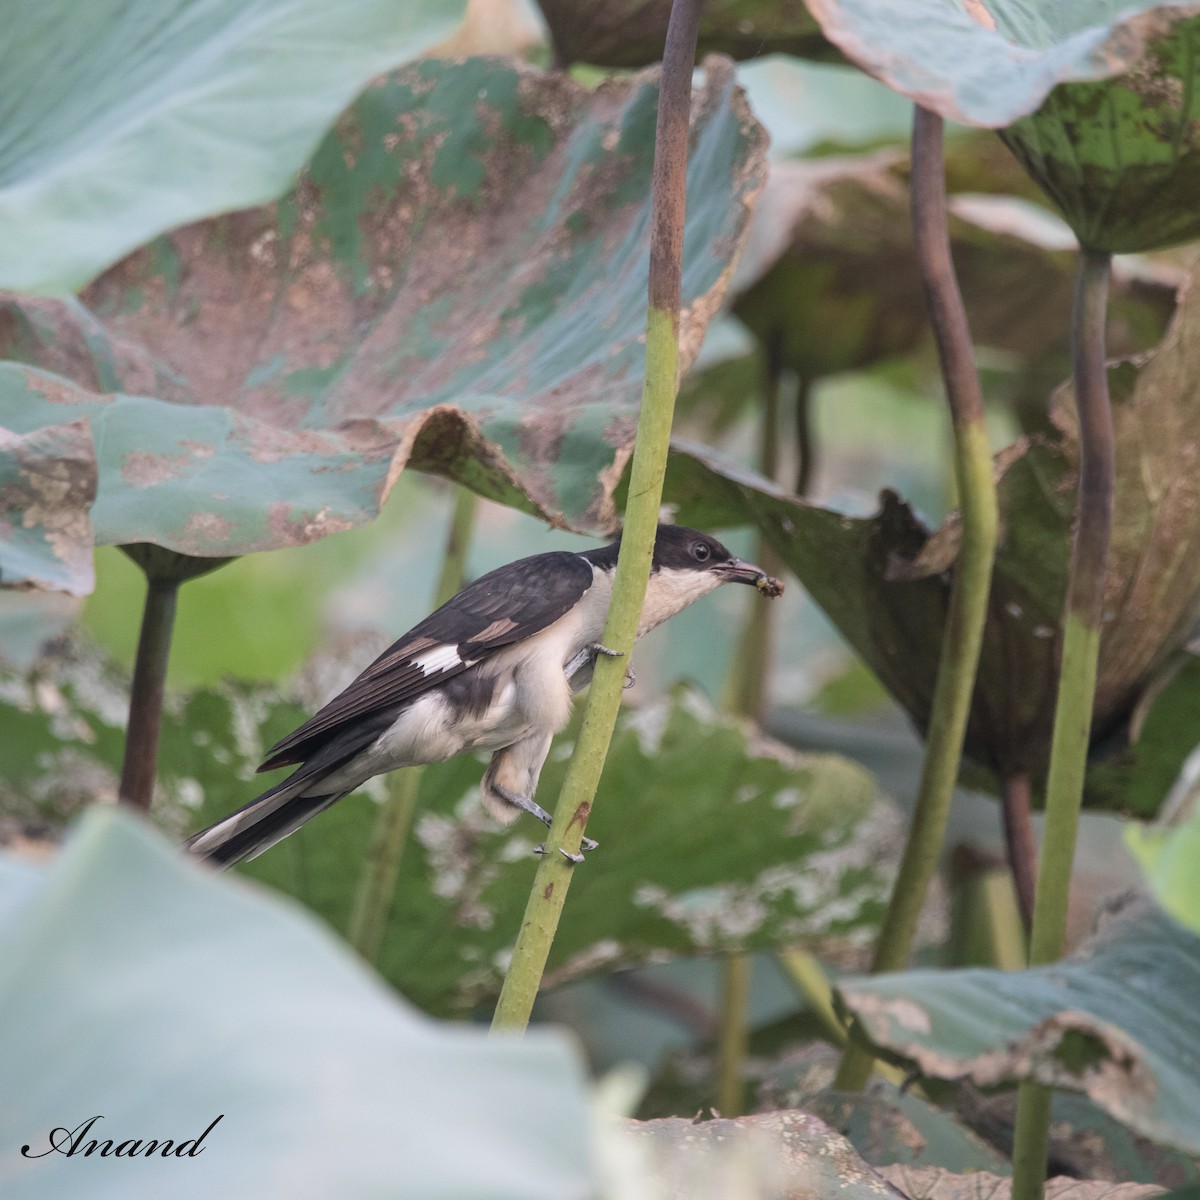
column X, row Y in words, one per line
column 733, row 1034
column 806, row 443
column 746, row 692
column 381, row 869
column 1076, row 680
column 377, row 883
column 553, row 875
column 985, row 921
column 967, row 612
column 809, row 977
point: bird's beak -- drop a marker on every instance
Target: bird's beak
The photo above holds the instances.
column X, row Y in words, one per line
column 736, row 571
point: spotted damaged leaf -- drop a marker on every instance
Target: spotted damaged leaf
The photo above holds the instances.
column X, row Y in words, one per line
column 1093, row 1023
column 712, row 839
column 456, row 284
column 47, row 485
column 742, row 845
column 1120, row 158
column 786, row 1153
column 885, row 580
column 934, row 1183
column 1098, row 101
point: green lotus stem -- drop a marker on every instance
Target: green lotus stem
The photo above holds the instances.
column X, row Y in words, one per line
column 146, row 692
column 806, row 443
column 809, row 977
column 554, row 872
column 811, row 981
column 746, row 697
column 1076, row 680
column 381, row 871
column 746, row 693
column 967, row 612
column 985, row 923
column 733, row 1034
column 1005, row 925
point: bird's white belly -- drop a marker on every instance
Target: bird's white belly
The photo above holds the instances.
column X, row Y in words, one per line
column 429, row 730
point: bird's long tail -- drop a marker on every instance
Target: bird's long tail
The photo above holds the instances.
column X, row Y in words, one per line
column 257, row 826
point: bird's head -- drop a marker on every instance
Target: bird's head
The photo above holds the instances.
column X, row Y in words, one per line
column 688, row 564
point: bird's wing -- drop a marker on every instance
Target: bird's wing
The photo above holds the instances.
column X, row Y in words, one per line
column 505, row 606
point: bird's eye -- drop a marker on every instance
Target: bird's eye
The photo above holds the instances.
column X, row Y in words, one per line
column 701, row 552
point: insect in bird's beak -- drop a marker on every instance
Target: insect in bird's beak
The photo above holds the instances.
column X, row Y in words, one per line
column 736, row 571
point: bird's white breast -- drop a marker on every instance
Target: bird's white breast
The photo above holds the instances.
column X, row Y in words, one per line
column 531, row 694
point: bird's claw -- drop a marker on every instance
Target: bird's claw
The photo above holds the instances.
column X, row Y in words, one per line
column 597, row 648
column 585, row 844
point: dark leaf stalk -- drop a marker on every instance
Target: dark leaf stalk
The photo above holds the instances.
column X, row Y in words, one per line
column 967, row 612
column 553, row 875
column 165, row 570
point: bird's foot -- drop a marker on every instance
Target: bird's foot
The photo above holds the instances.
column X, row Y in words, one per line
column 587, row 658
column 574, row 858
column 586, row 844
column 597, row 649
column 527, row 804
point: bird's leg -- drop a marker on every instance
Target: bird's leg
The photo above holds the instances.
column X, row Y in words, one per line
column 525, row 804
column 587, row 658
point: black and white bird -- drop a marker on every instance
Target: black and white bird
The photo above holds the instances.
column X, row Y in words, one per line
column 494, row 669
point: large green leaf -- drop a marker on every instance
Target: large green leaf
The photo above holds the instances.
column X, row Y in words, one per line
column 1117, row 1020
column 988, row 64
column 885, row 581
column 47, row 485
column 457, row 284
column 1121, row 159
column 158, row 996
column 1099, row 96
column 710, row 838
column 124, row 118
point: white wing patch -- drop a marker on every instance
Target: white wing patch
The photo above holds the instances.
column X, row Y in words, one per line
column 440, row 658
